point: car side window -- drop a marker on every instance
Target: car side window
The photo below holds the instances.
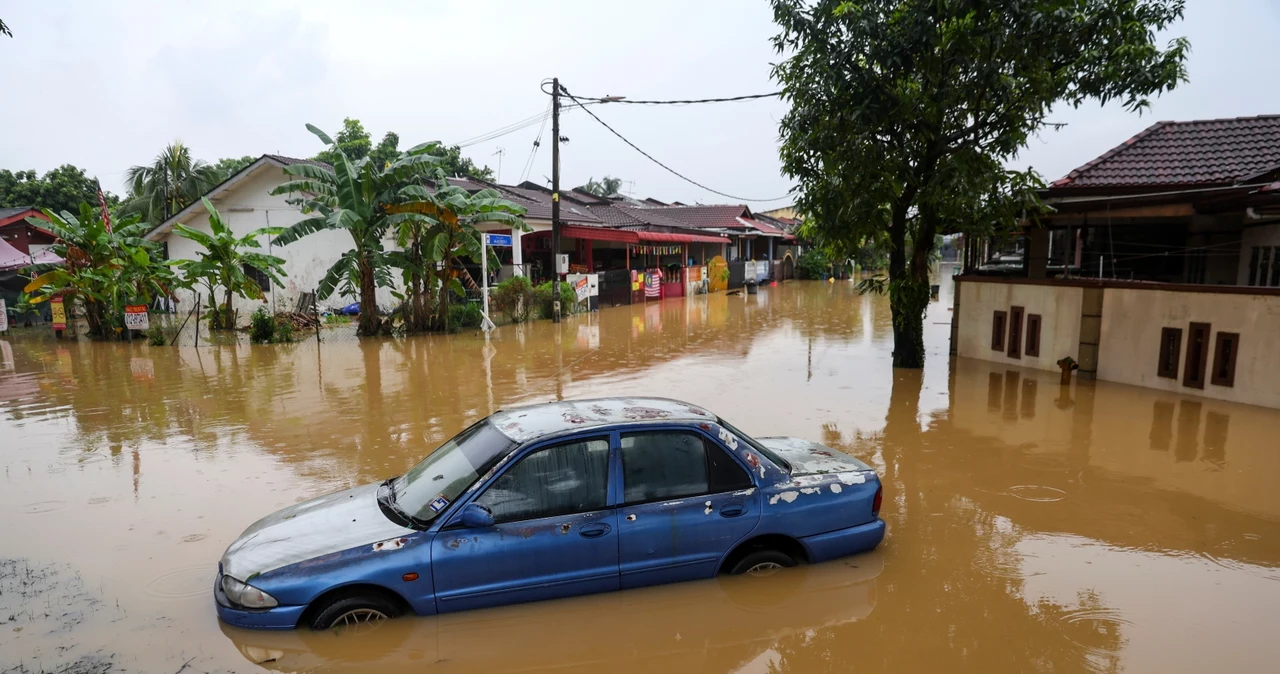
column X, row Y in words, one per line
column 563, row 479
column 659, row 465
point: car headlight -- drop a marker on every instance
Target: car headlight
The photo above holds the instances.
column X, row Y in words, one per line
column 248, row 596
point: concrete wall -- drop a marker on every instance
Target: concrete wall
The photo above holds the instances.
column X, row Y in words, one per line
column 247, row 206
column 1059, row 308
column 1264, row 235
column 1130, row 343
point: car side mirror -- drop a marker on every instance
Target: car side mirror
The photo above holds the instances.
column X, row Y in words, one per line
column 476, row 516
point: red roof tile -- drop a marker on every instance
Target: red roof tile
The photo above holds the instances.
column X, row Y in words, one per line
column 1205, row 152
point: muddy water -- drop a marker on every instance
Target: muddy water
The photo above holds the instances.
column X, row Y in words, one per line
column 1031, row 527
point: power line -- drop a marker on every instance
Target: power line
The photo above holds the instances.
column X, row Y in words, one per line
column 502, row 131
column 655, row 160
column 619, row 99
column 533, row 153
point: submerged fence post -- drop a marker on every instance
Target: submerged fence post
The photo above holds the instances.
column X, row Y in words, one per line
column 315, row 306
column 197, row 319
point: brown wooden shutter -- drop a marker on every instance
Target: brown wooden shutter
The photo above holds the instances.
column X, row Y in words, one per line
column 1197, row 355
column 1225, row 348
column 1170, row 350
column 1015, row 332
column 1033, row 336
column 998, row 320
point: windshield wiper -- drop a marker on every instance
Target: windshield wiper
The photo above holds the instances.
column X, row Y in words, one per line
column 387, row 503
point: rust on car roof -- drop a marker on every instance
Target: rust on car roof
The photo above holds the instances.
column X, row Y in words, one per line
column 523, row 424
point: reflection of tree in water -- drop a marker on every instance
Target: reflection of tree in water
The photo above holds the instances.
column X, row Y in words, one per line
column 958, row 584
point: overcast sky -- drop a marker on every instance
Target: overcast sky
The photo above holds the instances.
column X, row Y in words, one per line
column 105, row 85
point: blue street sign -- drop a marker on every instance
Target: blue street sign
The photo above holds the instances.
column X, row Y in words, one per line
column 497, row 239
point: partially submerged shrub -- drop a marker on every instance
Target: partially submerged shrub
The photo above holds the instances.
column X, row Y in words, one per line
column 514, row 298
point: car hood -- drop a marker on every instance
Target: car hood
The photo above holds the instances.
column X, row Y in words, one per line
column 811, row 458
column 332, row 523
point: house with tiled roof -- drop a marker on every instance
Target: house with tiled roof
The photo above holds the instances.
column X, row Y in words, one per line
column 1158, row 265
column 245, row 202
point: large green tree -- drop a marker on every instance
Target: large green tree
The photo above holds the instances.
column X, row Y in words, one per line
column 61, row 189
column 356, row 143
column 904, row 113
column 229, row 166
column 172, row 181
column 365, row 200
column 223, row 263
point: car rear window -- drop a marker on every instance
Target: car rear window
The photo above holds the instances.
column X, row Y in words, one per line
column 765, row 451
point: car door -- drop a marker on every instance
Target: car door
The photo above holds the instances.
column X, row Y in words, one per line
column 554, row 534
column 685, row 502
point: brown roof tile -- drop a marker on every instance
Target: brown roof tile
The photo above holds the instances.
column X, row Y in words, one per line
column 723, row 217
column 1204, row 152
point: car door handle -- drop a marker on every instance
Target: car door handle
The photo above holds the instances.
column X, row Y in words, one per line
column 732, row 510
column 594, row 530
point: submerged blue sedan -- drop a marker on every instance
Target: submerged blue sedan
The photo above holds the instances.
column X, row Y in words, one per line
column 551, row 501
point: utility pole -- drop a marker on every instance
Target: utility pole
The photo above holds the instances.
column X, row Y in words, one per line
column 555, row 198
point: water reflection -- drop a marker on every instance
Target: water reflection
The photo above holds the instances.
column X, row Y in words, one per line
column 1032, row 526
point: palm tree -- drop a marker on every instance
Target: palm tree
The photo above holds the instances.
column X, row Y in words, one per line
column 607, row 186
column 365, row 200
column 169, row 184
column 223, row 262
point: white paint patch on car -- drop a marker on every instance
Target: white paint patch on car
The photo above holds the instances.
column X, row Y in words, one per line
column 788, row 496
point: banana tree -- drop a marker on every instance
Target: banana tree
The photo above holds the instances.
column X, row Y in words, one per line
column 365, row 200
column 455, row 234
column 102, row 270
column 223, row 262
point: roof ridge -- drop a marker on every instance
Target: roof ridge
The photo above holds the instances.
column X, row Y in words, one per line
column 1242, row 118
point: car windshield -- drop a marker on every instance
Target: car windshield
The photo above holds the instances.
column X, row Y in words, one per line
column 768, row 453
column 425, row 491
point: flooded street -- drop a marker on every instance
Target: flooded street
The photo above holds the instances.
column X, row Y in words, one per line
column 1032, row 527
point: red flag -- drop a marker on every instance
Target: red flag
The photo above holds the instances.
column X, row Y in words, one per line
column 102, row 201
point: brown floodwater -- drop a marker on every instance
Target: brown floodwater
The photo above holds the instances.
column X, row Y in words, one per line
column 1032, row 527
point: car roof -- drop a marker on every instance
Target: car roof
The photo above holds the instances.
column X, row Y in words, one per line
column 523, row 424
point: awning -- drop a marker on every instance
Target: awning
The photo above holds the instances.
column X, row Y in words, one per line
column 599, row 234
column 672, row 237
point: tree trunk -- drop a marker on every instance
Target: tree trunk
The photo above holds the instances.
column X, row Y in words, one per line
column 907, row 298
column 369, row 321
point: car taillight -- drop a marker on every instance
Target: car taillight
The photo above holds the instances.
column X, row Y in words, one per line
column 875, row 504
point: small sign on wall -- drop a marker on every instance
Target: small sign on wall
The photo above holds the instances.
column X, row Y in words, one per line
column 4, row 317
column 135, row 317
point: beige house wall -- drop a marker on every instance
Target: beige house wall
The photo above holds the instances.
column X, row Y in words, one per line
column 1058, row 306
column 1130, row 344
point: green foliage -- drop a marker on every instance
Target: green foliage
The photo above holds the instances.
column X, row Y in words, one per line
column 229, row 166
column 465, row 315
column 605, row 187
column 356, row 143
column 370, row 202
column 905, row 113
column 542, row 295
column 813, row 264
column 386, row 151
column 457, row 165
column 172, row 181
column 223, row 262
column 24, row 308
column 262, row 327
column 61, row 189
column 156, row 336
column 265, row 328
column 514, row 298
column 352, row 141
column 104, row 270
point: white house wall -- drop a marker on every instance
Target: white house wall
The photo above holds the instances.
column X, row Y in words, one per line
column 249, row 205
column 1059, row 309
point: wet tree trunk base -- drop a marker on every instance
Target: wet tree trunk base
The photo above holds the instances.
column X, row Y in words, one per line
column 908, row 301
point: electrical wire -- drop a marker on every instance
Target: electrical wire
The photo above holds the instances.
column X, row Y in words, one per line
column 615, row 99
column 533, row 153
column 655, row 160
column 502, row 131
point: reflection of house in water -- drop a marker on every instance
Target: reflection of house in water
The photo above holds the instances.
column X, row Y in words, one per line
column 1158, row 266
column 1137, row 466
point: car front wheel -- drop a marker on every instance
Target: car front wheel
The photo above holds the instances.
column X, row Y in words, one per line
column 762, row 563
column 355, row 612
